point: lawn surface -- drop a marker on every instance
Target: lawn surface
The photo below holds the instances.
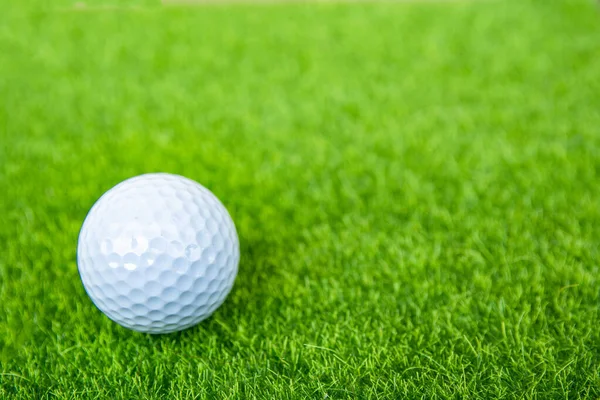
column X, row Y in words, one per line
column 415, row 187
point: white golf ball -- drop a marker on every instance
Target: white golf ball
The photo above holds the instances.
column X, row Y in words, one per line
column 158, row 253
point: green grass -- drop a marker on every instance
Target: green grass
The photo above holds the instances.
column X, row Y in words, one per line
column 415, row 187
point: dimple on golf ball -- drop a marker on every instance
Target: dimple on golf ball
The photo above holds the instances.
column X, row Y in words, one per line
column 158, row 253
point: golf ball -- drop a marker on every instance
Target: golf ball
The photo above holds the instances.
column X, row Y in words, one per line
column 158, row 253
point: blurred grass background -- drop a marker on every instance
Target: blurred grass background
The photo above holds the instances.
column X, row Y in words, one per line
column 415, row 186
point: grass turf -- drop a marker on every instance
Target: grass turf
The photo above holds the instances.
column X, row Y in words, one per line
column 415, row 188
